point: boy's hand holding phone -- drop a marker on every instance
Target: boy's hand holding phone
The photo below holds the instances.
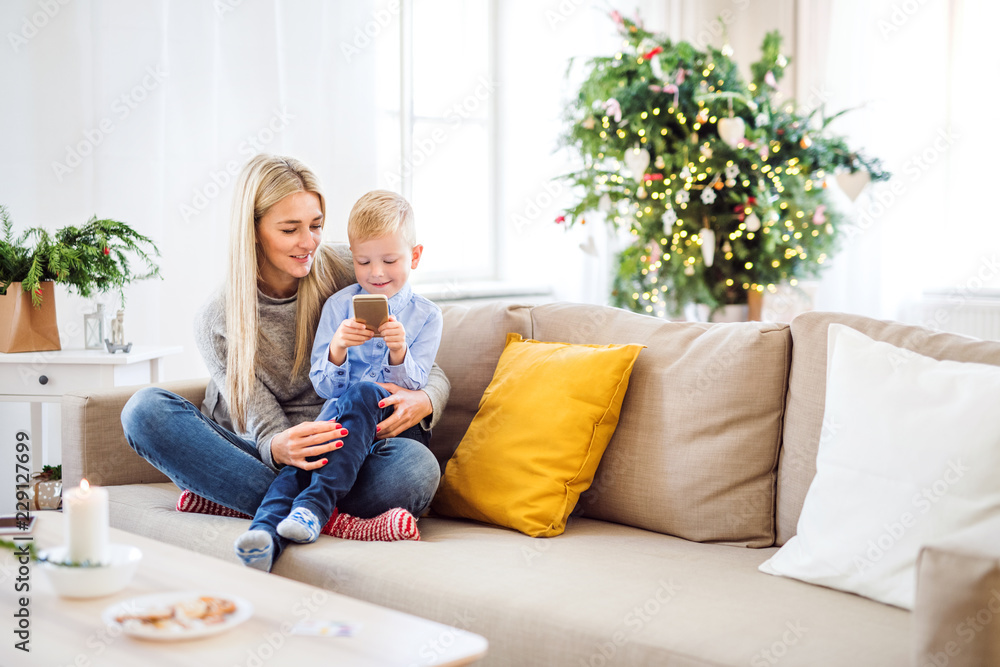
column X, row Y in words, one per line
column 371, row 318
column 349, row 334
column 395, row 339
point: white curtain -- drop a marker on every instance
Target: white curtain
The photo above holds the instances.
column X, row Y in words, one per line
column 144, row 111
column 922, row 75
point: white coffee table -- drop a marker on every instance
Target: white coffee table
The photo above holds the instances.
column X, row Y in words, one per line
column 68, row 632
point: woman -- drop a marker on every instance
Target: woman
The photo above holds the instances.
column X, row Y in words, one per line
column 255, row 337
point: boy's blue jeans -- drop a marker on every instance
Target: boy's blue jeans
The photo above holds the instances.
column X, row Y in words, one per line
column 319, row 490
column 197, row 454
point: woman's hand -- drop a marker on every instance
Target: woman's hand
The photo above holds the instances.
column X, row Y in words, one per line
column 411, row 406
column 295, row 445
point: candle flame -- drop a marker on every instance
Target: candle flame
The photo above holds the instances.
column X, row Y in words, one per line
column 84, row 485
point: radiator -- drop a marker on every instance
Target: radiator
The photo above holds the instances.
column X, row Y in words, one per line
column 972, row 313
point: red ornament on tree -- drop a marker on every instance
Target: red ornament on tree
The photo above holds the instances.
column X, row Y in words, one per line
column 653, row 52
column 107, row 251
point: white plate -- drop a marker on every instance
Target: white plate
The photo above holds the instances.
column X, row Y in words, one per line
column 244, row 610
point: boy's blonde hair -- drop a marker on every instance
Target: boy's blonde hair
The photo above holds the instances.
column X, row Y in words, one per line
column 381, row 213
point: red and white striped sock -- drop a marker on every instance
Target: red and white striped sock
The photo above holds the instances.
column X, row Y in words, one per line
column 192, row 502
column 396, row 524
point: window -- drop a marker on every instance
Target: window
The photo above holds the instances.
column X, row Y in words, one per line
column 435, row 99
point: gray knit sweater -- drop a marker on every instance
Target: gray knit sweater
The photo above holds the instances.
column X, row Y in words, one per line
column 280, row 400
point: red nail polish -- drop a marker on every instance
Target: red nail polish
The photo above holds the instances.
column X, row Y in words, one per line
column 339, row 445
column 378, row 428
column 324, row 461
column 382, row 404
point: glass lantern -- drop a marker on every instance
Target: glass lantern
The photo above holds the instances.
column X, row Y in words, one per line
column 93, row 329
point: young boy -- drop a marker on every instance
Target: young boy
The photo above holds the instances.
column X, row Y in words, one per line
column 347, row 361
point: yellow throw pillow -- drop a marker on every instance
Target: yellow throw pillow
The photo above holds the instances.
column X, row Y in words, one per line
column 543, row 425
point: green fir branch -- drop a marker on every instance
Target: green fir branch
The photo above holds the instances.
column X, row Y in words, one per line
column 98, row 257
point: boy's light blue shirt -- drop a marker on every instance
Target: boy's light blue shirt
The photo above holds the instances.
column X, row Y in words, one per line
column 370, row 361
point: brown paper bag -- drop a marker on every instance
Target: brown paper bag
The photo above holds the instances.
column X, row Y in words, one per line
column 24, row 328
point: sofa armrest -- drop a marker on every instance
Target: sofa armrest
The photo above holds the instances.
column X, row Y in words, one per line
column 94, row 444
column 956, row 620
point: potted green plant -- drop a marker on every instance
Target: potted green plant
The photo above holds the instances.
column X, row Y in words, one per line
column 101, row 256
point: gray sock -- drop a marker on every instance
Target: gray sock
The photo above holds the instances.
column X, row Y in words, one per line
column 256, row 549
column 301, row 526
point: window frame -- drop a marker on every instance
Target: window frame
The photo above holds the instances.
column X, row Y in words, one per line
column 408, row 119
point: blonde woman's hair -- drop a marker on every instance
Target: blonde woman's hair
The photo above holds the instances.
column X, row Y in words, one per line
column 381, row 213
column 264, row 181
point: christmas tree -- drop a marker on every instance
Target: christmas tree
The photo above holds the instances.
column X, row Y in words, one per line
column 719, row 187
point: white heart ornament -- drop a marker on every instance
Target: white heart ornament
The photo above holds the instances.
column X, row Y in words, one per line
column 853, row 183
column 637, row 159
column 732, row 130
column 654, row 63
column 752, row 222
column 707, row 245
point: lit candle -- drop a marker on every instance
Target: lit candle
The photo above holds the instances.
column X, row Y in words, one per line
column 86, row 509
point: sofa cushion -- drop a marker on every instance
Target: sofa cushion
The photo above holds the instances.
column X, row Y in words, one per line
column 471, row 343
column 661, row 601
column 543, row 425
column 94, row 444
column 910, row 456
column 807, row 393
column 696, row 447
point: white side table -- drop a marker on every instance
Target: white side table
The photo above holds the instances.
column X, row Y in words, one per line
column 43, row 377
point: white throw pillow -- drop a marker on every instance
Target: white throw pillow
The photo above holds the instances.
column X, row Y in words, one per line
column 909, row 452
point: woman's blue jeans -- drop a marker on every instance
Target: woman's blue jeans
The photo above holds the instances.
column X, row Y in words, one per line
column 197, row 454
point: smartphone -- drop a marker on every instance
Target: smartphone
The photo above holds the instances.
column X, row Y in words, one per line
column 372, row 310
column 16, row 524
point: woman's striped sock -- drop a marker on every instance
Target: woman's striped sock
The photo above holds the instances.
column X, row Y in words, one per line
column 192, row 502
column 396, row 524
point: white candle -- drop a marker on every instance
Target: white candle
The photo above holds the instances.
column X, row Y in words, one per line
column 86, row 509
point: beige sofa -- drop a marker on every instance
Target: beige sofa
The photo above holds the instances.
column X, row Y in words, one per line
column 704, row 478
